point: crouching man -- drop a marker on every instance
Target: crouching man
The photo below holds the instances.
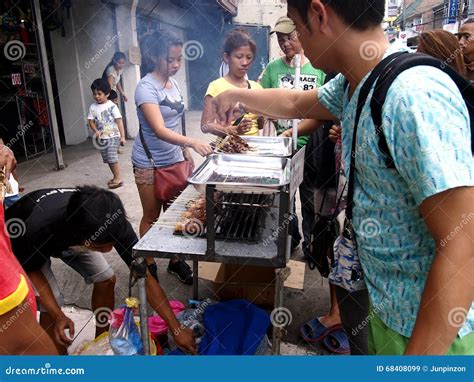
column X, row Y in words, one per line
column 77, row 225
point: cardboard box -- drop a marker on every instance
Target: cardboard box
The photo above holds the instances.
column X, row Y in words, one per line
column 256, row 284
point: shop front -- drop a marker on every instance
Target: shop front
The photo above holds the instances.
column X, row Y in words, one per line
column 49, row 58
column 25, row 125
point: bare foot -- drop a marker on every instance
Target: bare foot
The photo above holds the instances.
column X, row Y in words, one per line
column 330, row 320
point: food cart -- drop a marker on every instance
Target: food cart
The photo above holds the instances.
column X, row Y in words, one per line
column 247, row 200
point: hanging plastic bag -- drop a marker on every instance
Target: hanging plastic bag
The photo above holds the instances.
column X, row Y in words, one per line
column 124, row 335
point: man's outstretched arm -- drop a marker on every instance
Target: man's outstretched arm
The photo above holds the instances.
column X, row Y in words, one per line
column 274, row 103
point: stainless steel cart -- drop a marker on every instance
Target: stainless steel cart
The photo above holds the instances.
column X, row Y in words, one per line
column 271, row 250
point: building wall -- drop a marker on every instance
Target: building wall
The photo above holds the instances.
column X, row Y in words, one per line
column 179, row 21
column 79, row 58
column 265, row 13
column 421, row 7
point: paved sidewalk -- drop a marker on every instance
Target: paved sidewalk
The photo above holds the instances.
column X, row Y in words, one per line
column 84, row 166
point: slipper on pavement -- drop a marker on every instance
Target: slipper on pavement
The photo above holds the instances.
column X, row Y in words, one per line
column 113, row 186
column 337, row 342
column 314, row 330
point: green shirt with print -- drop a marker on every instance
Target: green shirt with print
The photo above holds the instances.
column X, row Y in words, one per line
column 278, row 74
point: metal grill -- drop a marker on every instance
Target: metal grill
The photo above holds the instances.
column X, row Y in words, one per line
column 263, row 180
column 241, row 216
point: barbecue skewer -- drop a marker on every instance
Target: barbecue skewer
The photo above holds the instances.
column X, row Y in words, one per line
column 5, row 186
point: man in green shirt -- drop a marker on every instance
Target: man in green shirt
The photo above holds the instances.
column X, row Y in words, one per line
column 280, row 73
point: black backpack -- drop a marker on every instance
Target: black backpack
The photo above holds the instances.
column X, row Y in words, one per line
column 320, row 161
column 387, row 71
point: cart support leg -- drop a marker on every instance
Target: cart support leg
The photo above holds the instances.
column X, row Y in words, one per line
column 210, row 232
column 195, row 280
column 139, row 268
column 279, row 328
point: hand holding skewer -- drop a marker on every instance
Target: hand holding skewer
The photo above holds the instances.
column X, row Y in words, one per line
column 7, row 165
column 7, row 160
column 241, row 128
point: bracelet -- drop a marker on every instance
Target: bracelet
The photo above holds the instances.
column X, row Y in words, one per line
column 242, row 108
column 205, row 128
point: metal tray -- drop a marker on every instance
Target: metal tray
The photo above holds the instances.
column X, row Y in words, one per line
column 243, row 170
column 268, row 146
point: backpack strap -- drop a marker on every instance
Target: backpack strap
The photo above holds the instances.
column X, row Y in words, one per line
column 388, row 59
column 145, row 146
column 398, row 65
column 346, row 84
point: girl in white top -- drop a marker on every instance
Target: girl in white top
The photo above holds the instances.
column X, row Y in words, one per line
column 113, row 73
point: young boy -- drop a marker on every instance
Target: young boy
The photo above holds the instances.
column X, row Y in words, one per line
column 105, row 121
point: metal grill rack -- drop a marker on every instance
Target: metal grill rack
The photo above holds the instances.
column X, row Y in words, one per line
column 239, row 216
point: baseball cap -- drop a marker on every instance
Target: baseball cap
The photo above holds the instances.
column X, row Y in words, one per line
column 284, row 25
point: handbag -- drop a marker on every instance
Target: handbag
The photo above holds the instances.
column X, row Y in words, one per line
column 169, row 180
column 323, row 235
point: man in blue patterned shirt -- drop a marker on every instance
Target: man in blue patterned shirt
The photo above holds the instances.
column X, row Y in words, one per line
column 414, row 224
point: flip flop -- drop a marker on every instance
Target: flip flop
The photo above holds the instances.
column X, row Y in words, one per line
column 113, row 186
column 337, row 342
column 314, row 330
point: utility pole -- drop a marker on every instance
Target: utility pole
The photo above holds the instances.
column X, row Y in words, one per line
column 58, row 153
column 460, row 13
column 403, row 15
